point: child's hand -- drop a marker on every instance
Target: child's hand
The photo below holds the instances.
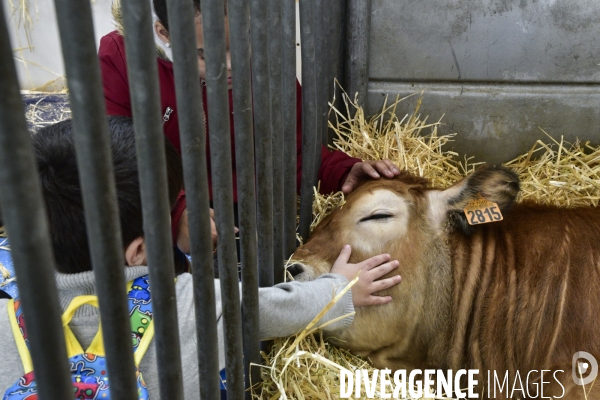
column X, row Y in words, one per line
column 369, row 170
column 213, row 229
column 183, row 233
column 370, row 271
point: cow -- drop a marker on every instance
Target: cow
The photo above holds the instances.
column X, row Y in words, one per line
column 516, row 295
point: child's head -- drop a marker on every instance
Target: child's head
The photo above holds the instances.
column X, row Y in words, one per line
column 161, row 27
column 160, row 9
column 54, row 149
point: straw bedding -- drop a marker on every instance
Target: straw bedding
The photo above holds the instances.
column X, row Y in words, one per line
column 554, row 172
column 305, row 366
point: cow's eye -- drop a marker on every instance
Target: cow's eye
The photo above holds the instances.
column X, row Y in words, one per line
column 379, row 216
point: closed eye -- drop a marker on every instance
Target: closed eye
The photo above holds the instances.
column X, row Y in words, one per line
column 376, row 217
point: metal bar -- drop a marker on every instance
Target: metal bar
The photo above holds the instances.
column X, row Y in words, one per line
column 193, row 151
column 27, row 225
column 213, row 21
column 262, row 139
column 276, row 92
column 322, row 59
column 337, row 33
column 333, row 36
column 310, row 122
column 288, row 21
column 341, row 14
column 239, row 25
column 145, row 104
column 357, row 61
column 98, row 187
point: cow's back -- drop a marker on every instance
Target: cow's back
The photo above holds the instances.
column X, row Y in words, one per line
column 527, row 290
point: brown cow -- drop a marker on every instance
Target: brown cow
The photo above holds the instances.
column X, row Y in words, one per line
column 517, row 295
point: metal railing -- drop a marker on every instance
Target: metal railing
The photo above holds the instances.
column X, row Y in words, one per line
column 264, row 97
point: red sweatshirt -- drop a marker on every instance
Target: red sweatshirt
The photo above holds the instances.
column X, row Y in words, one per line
column 335, row 165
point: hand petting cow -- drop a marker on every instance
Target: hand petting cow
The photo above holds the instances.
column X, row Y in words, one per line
column 517, row 294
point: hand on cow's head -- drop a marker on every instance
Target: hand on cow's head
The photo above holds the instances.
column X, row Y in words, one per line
column 368, row 170
column 369, row 273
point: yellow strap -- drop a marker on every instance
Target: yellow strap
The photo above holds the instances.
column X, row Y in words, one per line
column 75, row 304
column 144, row 344
column 73, row 346
column 97, row 345
column 146, row 339
column 19, row 340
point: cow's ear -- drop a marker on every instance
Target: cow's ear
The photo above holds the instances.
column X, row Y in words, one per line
column 496, row 184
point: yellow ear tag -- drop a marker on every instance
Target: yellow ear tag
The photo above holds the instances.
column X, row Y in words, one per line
column 482, row 211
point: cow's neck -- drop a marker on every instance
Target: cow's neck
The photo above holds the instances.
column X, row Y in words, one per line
column 434, row 328
column 483, row 300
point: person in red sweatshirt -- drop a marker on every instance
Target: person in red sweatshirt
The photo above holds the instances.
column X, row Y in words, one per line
column 338, row 171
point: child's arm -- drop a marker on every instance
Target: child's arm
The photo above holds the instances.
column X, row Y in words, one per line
column 287, row 308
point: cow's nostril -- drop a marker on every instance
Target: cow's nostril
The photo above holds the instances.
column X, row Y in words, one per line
column 295, row 269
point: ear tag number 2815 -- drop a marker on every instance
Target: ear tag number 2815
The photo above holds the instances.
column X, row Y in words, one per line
column 482, row 211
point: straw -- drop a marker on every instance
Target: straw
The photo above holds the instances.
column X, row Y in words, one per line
column 554, row 172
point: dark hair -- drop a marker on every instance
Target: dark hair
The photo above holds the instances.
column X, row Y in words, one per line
column 160, row 9
column 54, row 148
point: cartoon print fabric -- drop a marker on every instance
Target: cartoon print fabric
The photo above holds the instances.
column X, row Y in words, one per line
column 88, row 369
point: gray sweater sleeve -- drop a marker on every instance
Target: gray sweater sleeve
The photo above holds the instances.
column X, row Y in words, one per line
column 287, row 308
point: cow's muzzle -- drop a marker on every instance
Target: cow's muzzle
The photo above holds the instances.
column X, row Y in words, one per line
column 295, row 269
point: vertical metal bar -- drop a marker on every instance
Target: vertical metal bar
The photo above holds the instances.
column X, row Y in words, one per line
column 145, row 103
column 213, row 21
column 276, row 91
column 337, row 33
column 357, row 66
column 322, row 59
column 262, row 139
column 288, row 18
column 27, row 225
column 239, row 26
column 98, row 187
column 340, row 11
column 310, row 118
column 193, row 151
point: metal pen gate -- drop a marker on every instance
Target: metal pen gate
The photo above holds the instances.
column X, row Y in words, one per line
column 267, row 216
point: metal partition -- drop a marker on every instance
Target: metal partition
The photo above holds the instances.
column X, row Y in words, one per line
column 495, row 71
column 264, row 100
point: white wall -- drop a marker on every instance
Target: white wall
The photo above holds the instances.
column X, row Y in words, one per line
column 39, row 59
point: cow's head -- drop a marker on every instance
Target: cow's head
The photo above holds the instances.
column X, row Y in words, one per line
column 400, row 216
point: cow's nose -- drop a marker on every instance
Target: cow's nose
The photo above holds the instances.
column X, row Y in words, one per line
column 295, row 269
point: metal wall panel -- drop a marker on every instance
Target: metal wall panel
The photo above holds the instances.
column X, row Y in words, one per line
column 488, row 40
column 496, row 123
column 496, row 69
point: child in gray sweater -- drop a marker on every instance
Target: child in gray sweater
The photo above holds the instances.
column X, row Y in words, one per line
column 284, row 309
